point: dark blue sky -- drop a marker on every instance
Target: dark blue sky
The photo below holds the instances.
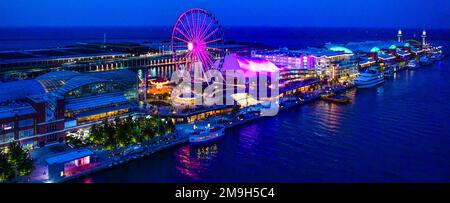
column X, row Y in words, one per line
column 315, row 13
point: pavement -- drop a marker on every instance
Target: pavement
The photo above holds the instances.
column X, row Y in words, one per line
column 38, row 155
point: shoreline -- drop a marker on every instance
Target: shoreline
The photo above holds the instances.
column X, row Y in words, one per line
column 110, row 163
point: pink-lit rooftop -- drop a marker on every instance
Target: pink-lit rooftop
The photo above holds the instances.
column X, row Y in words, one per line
column 249, row 66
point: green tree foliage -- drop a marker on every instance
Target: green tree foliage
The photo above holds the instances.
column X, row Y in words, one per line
column 75, row 141
column 123, row 132
column 7, row 172
column 20, row 159
column 169, row 126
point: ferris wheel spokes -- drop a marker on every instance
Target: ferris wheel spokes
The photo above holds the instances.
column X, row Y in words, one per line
column 200, row 34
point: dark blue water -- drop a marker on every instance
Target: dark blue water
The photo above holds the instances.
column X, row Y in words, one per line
column 44, row 37
column 397, row 132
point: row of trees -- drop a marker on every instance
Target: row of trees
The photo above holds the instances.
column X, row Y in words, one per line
column 15, row 161
column 123, row 132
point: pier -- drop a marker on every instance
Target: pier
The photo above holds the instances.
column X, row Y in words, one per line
column 105, row 160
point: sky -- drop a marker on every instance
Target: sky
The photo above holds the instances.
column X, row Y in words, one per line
column 426, row 14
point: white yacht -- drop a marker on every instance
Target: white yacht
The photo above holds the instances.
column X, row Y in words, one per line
column 369, row 78
column 206, row 134
column 413, row 64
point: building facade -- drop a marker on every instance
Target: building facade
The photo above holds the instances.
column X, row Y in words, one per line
column 41, row 111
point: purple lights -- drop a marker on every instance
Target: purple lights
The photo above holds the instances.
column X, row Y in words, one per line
column 198, row 32
column 257, row 65
column 250, row 66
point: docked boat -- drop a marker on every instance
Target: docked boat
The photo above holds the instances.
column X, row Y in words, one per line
column 413, row 64
column 425, row 61
column 206, row 134
column 341, row 99
column 369, row 78
column 437, row 57
column 389, row 72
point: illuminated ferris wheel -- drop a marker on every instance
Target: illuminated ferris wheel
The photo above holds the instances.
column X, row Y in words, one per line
column 196, row 40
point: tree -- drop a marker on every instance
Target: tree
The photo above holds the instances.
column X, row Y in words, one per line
column 148, row 129
column 20, row 159
column 122, row 134
column 235, row 110
column 7, row 172
column 170, row 126
column 110, row 137
column 25, row 166
column 127, row 131
column 95, row 135
column 75, row 141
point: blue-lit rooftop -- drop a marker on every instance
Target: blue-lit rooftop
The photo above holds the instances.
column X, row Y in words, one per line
column 55, row 85
column 54, row 53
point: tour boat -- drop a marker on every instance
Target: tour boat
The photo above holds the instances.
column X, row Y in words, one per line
column 336, row 98
column 424, row 60
column 206, row 134
column 413, row 64
column 369, row 78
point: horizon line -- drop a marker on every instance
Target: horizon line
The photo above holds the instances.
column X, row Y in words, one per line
column 223, row 26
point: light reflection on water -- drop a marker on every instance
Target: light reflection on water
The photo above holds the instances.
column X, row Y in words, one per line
column 192, row 161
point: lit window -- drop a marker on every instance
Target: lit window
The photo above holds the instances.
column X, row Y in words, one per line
column 7, row 126
column 26, row 133
column 6, row 138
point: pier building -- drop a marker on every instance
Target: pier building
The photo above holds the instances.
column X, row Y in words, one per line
column 333, row 61
column 42, row 110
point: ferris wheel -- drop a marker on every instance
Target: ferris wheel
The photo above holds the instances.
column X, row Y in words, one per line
column 196, row 40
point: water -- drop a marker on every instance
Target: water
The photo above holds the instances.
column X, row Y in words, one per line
column 44, row 37
column 396, row 132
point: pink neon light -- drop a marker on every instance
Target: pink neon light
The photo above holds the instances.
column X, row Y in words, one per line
column 257, row 65
column 250, row 66
column 198, row 31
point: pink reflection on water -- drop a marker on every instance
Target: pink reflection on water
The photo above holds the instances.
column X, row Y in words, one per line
column 88, row 180
column 192, row 161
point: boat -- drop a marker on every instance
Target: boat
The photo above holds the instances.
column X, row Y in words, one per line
column 369, row 78
column 413, row 64
column 395, row 67
column 341, row 99
column 206, row 134
column 425, row 61
column 437, row 57
column 389, row 72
